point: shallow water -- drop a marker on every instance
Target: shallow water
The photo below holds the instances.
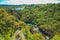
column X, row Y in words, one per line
column 19, row 8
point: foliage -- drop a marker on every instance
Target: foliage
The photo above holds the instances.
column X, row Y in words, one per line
column 44, row 16
column 56, row 37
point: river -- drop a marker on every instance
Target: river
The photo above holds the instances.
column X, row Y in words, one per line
column 47, row 37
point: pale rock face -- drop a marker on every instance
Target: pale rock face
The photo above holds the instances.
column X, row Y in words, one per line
column 18, row 35
column 36, row 29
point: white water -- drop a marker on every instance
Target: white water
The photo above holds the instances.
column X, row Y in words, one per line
column 47, row 38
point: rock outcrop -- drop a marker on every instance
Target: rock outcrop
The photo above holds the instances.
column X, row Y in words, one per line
column 18, row 35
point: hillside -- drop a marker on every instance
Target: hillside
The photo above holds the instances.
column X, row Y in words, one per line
column 33, row 22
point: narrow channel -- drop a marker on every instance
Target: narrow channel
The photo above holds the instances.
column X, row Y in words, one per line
column 47, row 37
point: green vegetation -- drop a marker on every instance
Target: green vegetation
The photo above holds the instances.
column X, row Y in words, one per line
column 44, row 17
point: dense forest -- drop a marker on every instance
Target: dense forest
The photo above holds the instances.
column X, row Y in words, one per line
column 30, row 22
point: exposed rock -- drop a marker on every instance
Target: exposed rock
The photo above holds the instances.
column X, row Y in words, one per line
column 34, row 30
column 46, row 32
column 18, row 35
